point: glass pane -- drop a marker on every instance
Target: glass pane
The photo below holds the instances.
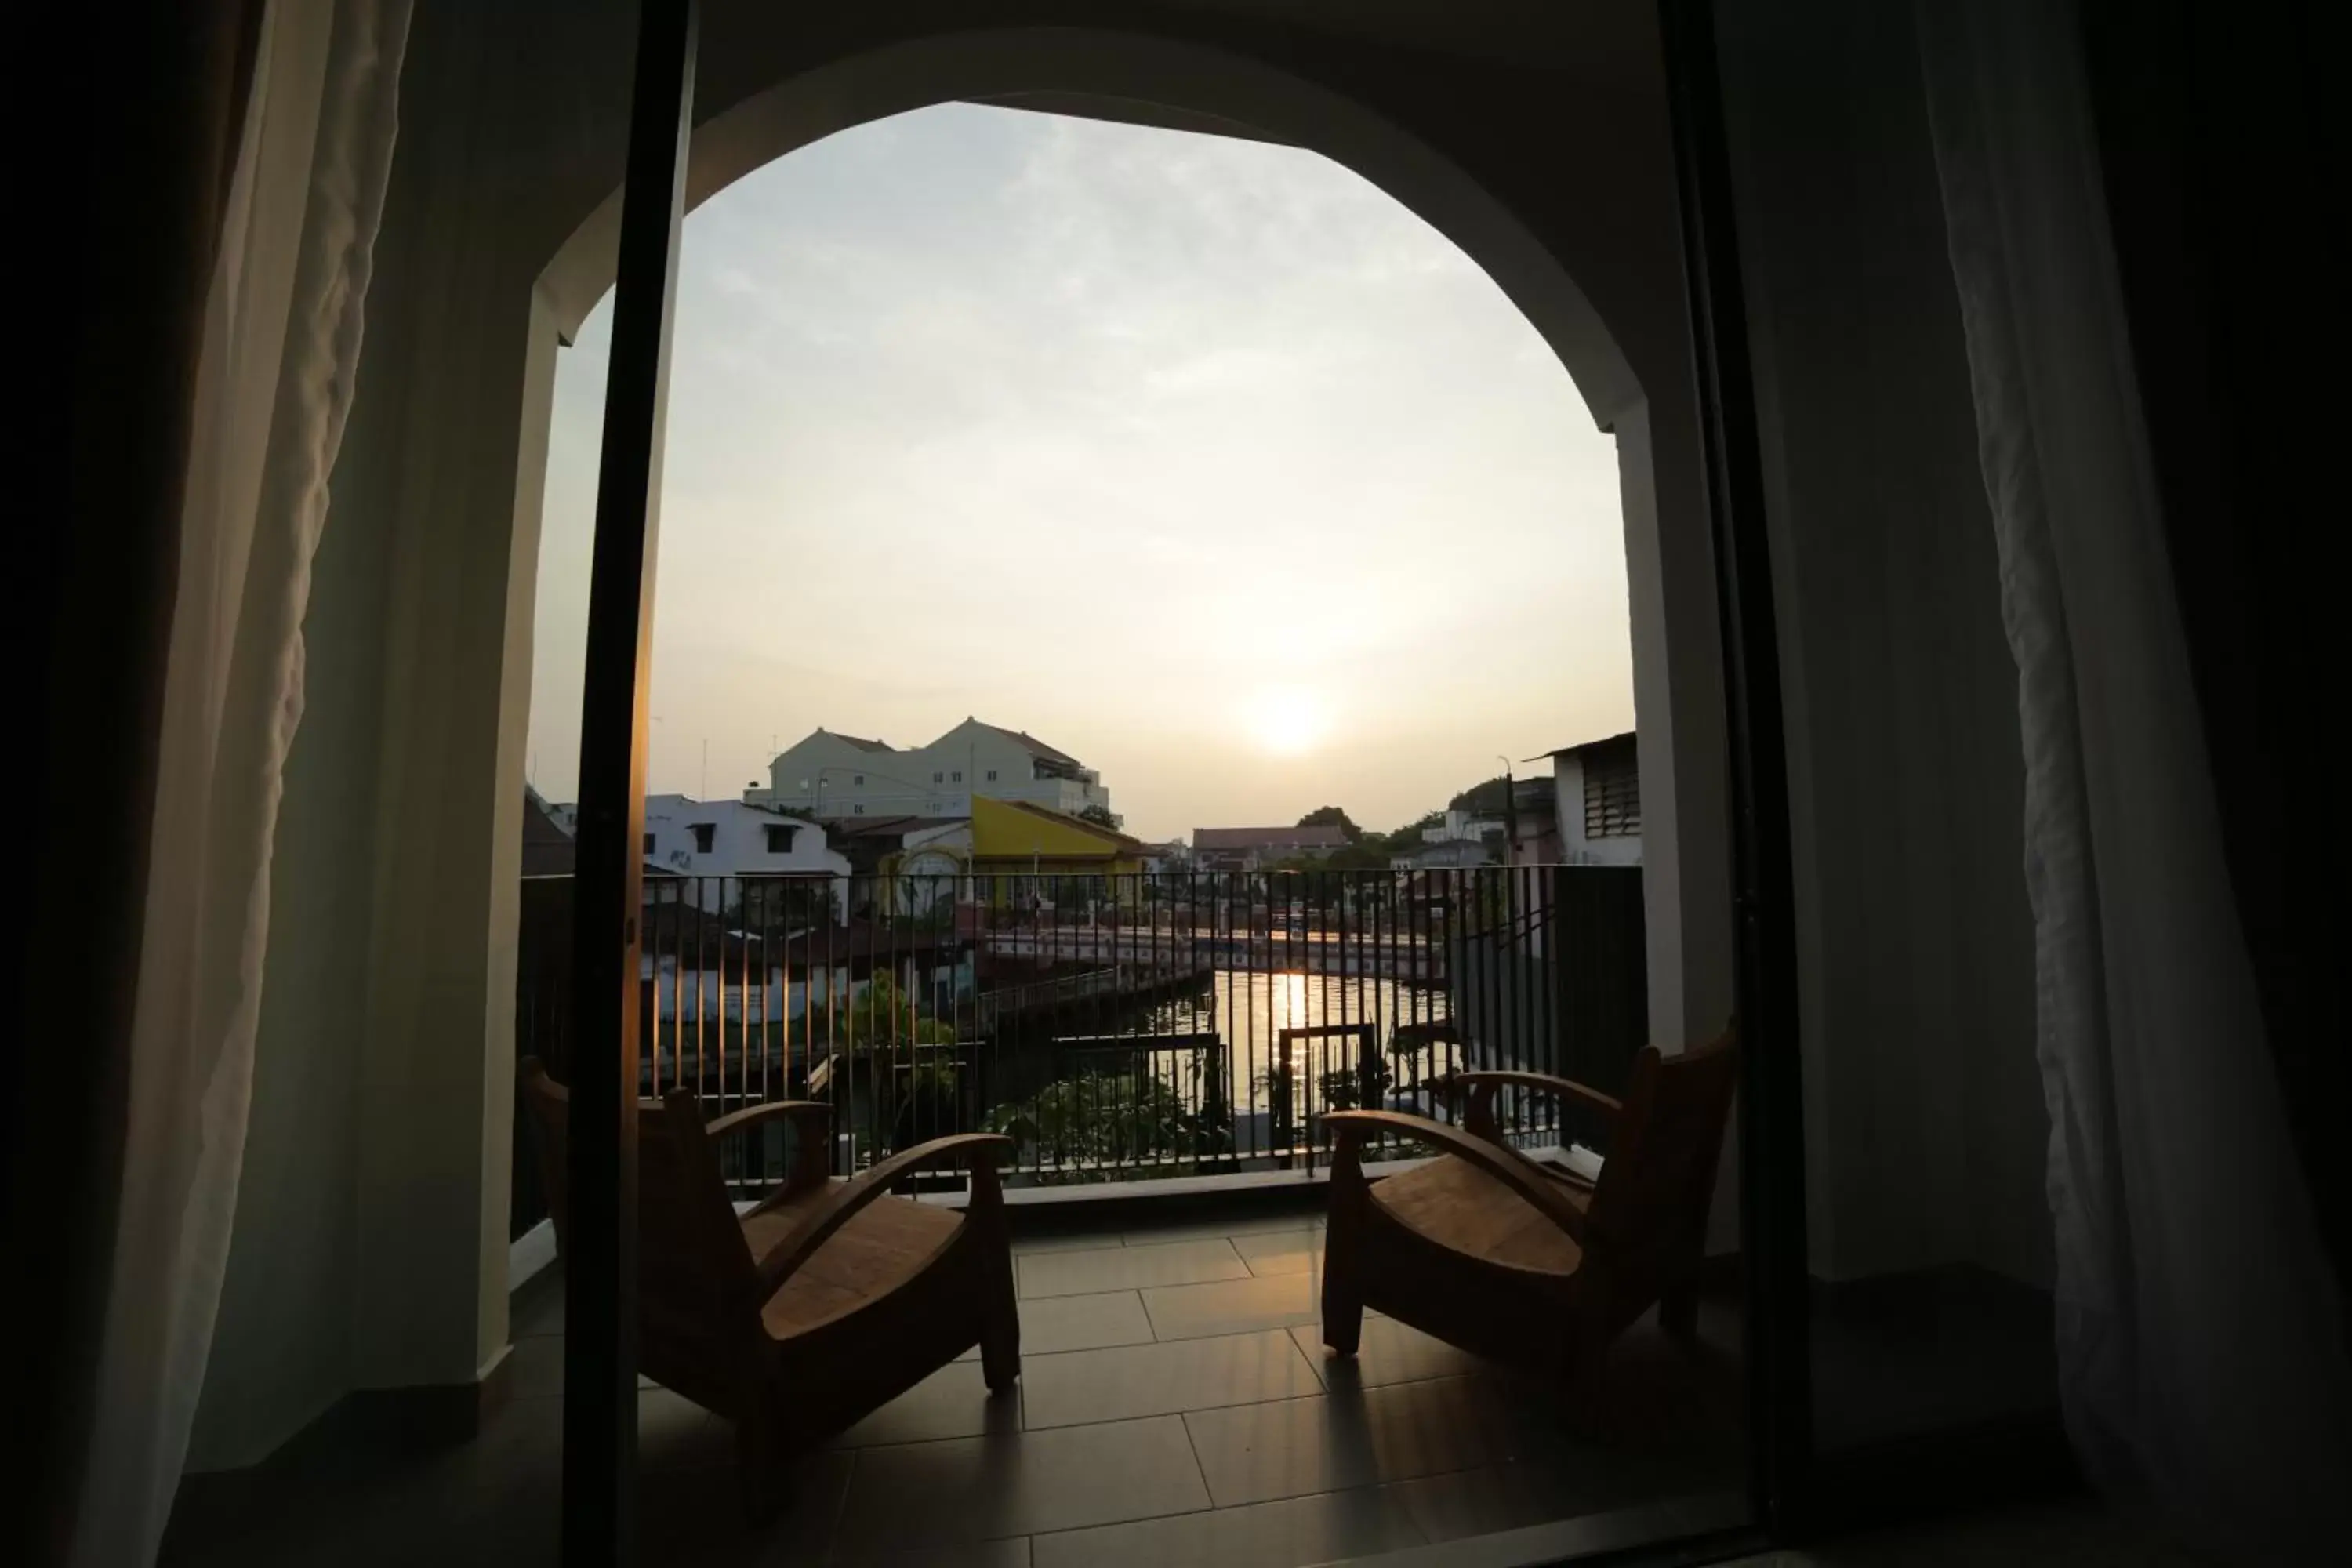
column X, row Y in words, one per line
column 1924, row 1129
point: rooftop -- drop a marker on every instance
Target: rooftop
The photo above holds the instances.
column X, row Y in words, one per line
column 1033, row 742
column 1319, row 837
column 1624, row 738
column 859, row 741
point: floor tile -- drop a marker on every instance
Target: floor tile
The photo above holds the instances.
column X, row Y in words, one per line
column 1386, row 1352
column 1081, row 1241
column 694, row 1518
column 1281, row 1252
column 979, row 1489
column 1132, row 1381
column 953, row 1402
column 1050, row 1324
column 674, row 1432
column 1266, row 1535
column 1495, row 1498
column 1263, row 1225
column 1233, row 1306
column 1352, row 1438
column 1129, row 1267
column 1013, row 1554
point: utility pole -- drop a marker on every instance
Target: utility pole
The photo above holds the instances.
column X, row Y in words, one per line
column 1510, row 810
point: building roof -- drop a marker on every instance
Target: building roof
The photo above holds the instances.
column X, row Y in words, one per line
column 857, row 741
column 1583, row 746
column 1325, row 835
column 546, row 849
column 887, row 826
column 1033, row 742
column 1127, row 845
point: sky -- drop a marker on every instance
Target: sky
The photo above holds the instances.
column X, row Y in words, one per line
column 1203, row 460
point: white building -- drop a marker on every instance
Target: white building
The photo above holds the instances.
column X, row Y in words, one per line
column 1597, row 789
column 828, row 776
column 1463, row 826
column 1250, row 848
column 728, row 838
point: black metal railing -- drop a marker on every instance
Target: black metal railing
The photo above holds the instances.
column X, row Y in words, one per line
column 1116, row 1027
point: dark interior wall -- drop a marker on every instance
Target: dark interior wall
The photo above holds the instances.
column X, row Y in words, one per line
column 2223, row 198
column 1907, row 783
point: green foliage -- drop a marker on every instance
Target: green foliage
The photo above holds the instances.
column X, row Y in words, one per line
column 1483, row 798
column 883, row 1015
column 1092, row 1120
column 1332, row 816
column 1101, row 817
column 1343, row 1089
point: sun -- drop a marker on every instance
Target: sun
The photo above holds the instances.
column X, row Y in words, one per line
column 1288, row 719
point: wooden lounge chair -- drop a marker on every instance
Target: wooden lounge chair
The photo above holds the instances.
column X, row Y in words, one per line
column 1512, row 1258
column 827, row 1300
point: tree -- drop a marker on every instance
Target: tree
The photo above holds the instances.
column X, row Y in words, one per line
column 1332, row 816
column 1102, row 816
column 1483, row 797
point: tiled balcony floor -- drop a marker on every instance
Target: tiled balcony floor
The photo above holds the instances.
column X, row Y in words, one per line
column 1176, row 1406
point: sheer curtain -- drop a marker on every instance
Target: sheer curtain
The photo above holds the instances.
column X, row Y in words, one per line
column 2200, row 1341
column 274, row 384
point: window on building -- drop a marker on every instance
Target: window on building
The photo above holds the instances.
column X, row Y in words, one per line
column 940, row 778
column 1612, row 795
column 959, row 778
column 991, row 775
column 858, row 780
column 649, row 843
column 779, row 838
column 706, row 833
column 857, row 811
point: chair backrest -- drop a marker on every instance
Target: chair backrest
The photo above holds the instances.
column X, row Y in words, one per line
column 697, row 1288
column 1647, row 1220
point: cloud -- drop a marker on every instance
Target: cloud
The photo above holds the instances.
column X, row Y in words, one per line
column 1079, row 425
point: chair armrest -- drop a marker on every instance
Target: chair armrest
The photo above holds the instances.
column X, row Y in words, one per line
column 852, row 1196
column 1542, row 1194
column 759, row 1115
column 1540, row 1082
column 812, row 1161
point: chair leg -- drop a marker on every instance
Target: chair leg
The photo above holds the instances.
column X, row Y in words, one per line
column 1000, row 1335
column 1343, row 1319
column 1343, row 1288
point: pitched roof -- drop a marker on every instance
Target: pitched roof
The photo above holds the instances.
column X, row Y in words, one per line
column 1032, row 742
column 546, row 849
column 1581, row 746
column 882, row 826
column 1326, row 835
column 1129, row 844
column 857, row 741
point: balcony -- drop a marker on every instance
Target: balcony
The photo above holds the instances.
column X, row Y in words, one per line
column 1163, row 1051
column 1176, row 1406
column 1122, row 1028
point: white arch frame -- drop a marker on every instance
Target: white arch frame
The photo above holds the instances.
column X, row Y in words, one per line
column 1166, row 81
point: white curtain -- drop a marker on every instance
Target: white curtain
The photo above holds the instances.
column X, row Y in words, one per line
column 274, row 384
column 2200, row 1348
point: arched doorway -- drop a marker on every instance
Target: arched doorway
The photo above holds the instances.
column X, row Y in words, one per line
column 1158, row 80
column 1102, row 72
